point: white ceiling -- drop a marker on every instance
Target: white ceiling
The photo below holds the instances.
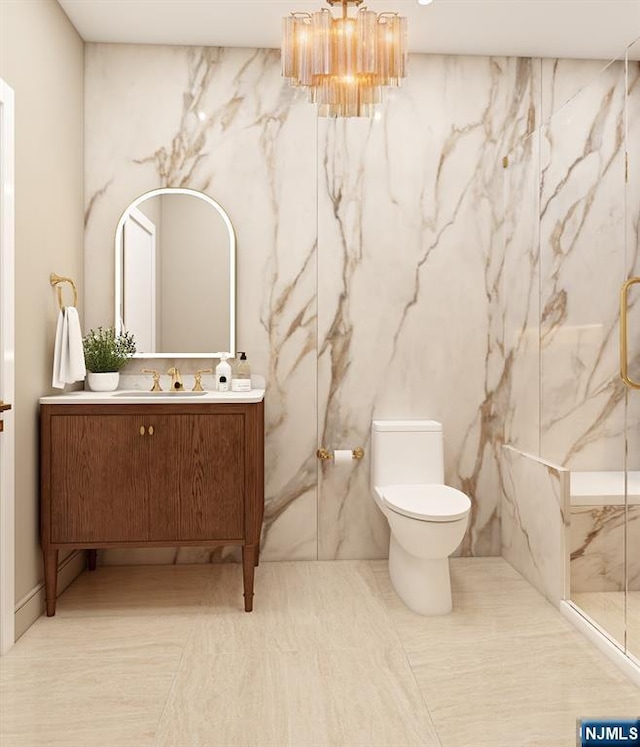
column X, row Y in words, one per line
column 598, row 29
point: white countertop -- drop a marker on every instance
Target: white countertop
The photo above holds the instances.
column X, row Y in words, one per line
column 137, row 397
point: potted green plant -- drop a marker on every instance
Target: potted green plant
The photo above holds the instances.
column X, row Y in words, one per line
column 105, row 353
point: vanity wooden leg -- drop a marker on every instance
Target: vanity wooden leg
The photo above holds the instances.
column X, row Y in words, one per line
column 257, row 563
column 248, row 569
column 51, row 580
column 92, row 556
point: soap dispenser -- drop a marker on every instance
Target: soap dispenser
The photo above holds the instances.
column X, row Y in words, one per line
column 242, row 376
column 223, row 373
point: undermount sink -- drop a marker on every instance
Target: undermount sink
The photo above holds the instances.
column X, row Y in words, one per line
column 159, row 394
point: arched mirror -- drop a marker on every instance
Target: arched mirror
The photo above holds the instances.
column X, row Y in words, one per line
column 175, row 275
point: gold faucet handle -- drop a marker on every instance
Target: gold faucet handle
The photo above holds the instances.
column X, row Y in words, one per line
column 197, row 386
column 156, row 379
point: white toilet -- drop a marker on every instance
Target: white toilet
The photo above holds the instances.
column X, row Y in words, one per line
column 427, row 518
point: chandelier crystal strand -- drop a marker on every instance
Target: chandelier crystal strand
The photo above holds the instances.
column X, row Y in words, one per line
column 345, row 61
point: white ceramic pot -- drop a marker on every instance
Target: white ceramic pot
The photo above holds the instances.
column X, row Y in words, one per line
column 103, row 382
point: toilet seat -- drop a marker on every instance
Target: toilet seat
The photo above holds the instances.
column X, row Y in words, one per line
column 426, row 502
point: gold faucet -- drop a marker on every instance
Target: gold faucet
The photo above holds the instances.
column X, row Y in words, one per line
column 176, row 379
column 156, row 379
column 197, row 384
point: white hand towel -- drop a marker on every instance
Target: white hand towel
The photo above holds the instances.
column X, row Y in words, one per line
column 63, row 373
column 77, row 369
column 68, row 355
column 57, row 353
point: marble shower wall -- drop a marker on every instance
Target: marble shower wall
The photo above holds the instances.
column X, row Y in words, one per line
column 571, row 220
column 597, row 548
column 582, row 266
column 370, row 258
column 564, row 226
column 632, row 247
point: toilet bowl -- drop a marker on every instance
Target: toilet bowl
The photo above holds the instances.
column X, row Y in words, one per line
column 427, row 519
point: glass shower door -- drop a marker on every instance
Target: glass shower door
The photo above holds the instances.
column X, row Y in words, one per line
column 630, row 353
column 583, row 411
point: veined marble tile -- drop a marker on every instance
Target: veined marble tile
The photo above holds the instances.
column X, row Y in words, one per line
column 290, row 531
column 520, row 296
column 597, row 548
column 371, row 255
column 409, row 207
column 535, row 521
column 598, row 558
column 632, row 260
column 222, row 121
column 562, row 80
column 582, row 230
column 588, row 244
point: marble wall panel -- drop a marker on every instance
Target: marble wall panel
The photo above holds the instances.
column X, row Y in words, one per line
column 589, row 221
column 221, row 121
column 535, row 521
column 520, row 296
column 562, row 79
column 581, row 233
column 410, row 208
column 632, row 254
column 371, row 257
column 598, row 540
column 366, row 260
column 633, row 268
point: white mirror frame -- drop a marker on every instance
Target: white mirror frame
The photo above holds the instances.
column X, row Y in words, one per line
column 232, row 269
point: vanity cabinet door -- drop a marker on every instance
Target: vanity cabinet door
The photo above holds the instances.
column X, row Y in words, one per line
column 156, row 475
column 197, row 477
column 96, row 494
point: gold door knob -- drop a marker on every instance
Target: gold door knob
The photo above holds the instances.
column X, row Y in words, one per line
column 151, row 430
column 142, row 430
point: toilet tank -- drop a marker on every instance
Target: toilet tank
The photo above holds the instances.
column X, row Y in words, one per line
column 406, row 452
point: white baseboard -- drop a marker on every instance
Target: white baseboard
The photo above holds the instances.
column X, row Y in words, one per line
column 627, row 663
column 31, row 606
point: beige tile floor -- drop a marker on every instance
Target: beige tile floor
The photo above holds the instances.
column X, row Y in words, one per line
column 607, row 608
column 165, row 657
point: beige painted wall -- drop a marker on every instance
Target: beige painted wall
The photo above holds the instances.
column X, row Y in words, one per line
column 42, row 59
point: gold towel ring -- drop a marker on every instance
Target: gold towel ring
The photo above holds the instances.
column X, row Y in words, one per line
column 56, row 281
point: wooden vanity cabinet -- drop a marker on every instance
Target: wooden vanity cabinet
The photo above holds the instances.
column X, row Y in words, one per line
column 151, row 476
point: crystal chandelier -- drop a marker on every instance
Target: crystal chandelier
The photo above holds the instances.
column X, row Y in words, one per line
column 344, row 62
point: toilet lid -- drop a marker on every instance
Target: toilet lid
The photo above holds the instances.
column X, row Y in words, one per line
column 427, row 502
